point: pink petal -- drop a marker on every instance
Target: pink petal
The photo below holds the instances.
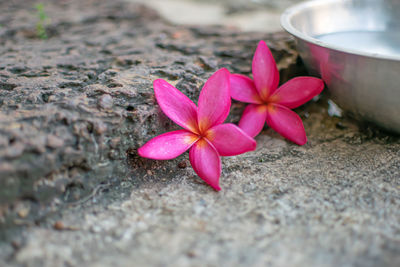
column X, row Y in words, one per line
column 214, row 101
column 168, row 145
column 287, row 123
column 243, row 89
column 297, row 91
column 253, row 119
column 230, row 140
column 176, row 105
column 206, row 162
column 265, row 72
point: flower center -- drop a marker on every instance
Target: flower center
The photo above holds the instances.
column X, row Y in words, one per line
column 264, row 97
column 202, row 134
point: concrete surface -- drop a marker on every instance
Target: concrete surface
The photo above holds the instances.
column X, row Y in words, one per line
column 333, row 202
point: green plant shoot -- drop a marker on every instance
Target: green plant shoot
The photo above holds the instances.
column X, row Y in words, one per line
column 43, row 20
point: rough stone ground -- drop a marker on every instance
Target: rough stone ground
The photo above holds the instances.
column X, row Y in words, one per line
column 76, row 105
column 74, row 108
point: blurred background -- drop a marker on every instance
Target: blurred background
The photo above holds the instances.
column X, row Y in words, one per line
column 247, row 15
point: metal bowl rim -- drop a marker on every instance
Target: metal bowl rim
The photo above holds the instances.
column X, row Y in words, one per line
column 298, row 8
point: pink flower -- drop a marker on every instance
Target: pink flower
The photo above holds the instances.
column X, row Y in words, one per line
column 271, row 104
column 204, row 134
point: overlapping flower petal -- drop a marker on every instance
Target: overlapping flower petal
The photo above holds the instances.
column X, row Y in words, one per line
column 168, row 145
column 265, row 72
column 243, row 89
column 253, row 119
column 214, row 100
column 287, row 123
column 178, row 107
column 206, row 163
column 297, row 91
column 230, row 140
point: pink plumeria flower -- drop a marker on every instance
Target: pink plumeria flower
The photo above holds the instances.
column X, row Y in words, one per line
column 203, row 133
column 271, row 104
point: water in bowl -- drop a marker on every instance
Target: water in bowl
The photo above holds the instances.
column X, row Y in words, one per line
column 379, row 43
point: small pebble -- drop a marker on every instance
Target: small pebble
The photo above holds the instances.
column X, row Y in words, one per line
column 334, row 110
column 54, row 142
column 58, row 225
column 105, row 101
column 100, row 127
column 22, row 213
column 182, row 164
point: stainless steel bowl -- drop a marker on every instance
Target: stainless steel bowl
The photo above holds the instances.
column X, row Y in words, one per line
column 354, row 45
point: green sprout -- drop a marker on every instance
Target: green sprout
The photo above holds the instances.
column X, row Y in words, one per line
column 43, row 21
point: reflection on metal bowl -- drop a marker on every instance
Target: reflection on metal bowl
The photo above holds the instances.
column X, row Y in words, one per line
column 354, row 45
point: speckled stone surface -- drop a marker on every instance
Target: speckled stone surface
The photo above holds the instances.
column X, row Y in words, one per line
column 74, row 107
column 333, row 202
